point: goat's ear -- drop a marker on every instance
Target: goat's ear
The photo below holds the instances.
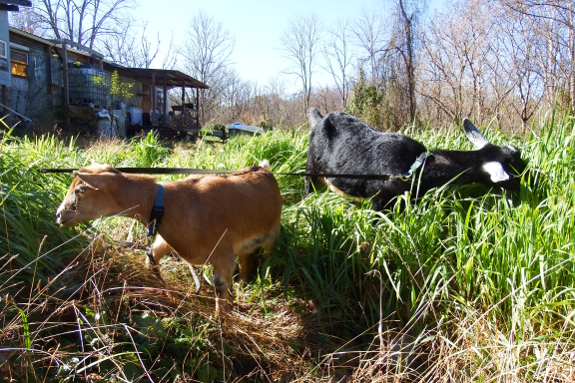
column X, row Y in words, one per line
column 92, row 180
column 496, row 172
column 314, row 117
column 473, row 134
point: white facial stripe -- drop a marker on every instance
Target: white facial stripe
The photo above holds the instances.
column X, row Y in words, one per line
column 495, row 171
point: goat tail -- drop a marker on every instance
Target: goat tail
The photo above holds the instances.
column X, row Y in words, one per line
column 314, row 117
column 265, row 164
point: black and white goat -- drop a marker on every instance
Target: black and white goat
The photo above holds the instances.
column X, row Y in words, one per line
column 343, row 144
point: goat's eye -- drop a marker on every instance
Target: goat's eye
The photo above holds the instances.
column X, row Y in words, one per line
column 80, row 190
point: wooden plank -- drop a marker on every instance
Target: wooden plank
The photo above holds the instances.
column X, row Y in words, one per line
column 154, row 101
column 48, row 57
column 66, row 86
column 165, row 106
column 183, row 97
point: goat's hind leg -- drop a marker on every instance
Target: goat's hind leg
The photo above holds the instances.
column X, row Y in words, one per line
column 271, row 240
column 246, row 257
column 224, row 266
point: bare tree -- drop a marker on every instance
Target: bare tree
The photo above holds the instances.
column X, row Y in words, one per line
column 556, row 20
column 277, row 109
column 406, row 15
column 300, row 45
column 84, row 21
column 28, row 20
column 519, row 43
column 208, row 47
column 370, row 36
column 388, row 52
column 207, row 56
column 339, row 57
column 135, row 49
column 327, row 99
column 236, row 97
column 457, row 60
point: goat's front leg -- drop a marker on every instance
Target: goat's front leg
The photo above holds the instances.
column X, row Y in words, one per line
column 308, row 188
column 159, row 248
column 310, row 182
column 382, row 200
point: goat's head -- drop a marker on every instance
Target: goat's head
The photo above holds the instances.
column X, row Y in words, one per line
column 503, row 164
column 90, row 196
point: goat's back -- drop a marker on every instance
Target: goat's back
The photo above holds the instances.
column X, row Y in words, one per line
column 245, row 205
column 343, row 144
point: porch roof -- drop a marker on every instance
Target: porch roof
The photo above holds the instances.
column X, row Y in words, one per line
column 159, row 77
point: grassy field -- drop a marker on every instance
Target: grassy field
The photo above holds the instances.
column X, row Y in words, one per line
column 466, row 285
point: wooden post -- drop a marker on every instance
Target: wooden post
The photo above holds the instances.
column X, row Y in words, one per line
column 154, row 118
column 200, row 100
column 165, row 106
column 49, row 76
column 183, row 116
column 183, row 94
column 66, row 86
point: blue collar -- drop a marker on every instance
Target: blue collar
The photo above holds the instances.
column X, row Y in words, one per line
column 418, row 162
column 157, row 212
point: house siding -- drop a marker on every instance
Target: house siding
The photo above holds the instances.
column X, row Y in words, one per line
column 32, row 95
column 36, row 86
column 5, row 77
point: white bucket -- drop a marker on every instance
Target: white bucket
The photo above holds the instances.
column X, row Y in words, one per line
column 135, row 116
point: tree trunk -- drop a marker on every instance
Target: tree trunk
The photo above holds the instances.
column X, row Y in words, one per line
column 407, row 24
column 572, row 58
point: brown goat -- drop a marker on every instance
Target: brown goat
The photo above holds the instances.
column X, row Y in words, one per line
column 203, row 215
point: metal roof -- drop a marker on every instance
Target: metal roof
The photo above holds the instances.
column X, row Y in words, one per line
column 58, row 44
column 30, row 36
column 22, row 3
column 171, row 78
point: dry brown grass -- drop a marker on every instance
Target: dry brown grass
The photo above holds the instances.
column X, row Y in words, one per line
column 247, row 343
column 267, row 346
column 470, row 348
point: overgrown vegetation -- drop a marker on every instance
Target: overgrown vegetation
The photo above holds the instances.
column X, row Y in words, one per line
column 120, row 91
column 467, row 284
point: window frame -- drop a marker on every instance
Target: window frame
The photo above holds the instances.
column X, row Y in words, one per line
column 6, row 47
column 26, row 64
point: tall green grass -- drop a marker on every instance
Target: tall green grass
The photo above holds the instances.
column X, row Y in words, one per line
column 483, row 268
column 31, row 245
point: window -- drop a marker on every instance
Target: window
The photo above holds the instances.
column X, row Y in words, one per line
column 3, row 52
column 19, row 63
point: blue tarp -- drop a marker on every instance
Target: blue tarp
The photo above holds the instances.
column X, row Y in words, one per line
column 238, row 126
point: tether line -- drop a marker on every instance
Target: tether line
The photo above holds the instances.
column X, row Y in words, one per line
column 224, row 172
column 404, row 177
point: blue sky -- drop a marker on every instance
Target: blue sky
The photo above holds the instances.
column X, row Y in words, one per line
column 256, row 26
